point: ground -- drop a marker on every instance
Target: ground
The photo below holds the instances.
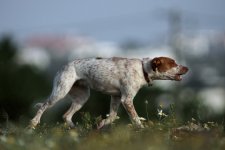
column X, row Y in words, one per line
column 161, row 134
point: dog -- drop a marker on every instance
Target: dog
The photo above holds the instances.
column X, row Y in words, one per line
column 119, row 77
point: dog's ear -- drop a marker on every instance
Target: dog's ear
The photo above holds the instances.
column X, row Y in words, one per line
column 156, row 62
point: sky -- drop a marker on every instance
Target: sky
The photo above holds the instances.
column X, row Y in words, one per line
column 108, row 20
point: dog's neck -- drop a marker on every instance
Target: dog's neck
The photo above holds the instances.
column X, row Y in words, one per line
column 147, row 71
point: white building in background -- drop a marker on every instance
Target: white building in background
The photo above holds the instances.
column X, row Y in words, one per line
column 214, row 98
column 35, row 56
column 94, row 49
column 39, row 50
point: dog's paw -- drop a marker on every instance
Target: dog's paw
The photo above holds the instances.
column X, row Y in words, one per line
column 101, row 124
column 69, row 125
column 31, row 127
column 33, row 124
column 142, row 119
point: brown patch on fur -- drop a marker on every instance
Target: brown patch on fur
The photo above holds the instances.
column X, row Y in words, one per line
column 162, row 64
column 130, row 109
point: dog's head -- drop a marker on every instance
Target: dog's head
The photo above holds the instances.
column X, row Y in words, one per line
column 165, row 68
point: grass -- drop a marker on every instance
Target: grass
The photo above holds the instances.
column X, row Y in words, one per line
column 164, row 133
column 167, row 132
column 117, row 137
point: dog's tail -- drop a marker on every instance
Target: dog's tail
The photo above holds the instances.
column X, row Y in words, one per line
column 38, row 105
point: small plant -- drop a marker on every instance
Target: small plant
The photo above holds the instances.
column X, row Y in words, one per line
column 88, row 121
column 4, row 119
column 161, row 114
column 146, row 109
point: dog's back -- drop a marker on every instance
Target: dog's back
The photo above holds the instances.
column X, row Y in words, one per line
column 106, row 74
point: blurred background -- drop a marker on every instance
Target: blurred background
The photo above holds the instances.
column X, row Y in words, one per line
column 39, row 37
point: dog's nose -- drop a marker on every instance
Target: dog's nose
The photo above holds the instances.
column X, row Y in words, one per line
column 185, row 69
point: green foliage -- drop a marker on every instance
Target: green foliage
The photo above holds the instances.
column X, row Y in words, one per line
column 7, row 49
column 87, row 121
column 20, row 85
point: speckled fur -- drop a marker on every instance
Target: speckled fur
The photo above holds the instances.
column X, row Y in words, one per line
column 119, row 77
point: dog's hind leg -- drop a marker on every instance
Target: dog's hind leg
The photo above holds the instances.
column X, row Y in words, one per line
column 63, row 82
column 79, row 94
column 114, row 105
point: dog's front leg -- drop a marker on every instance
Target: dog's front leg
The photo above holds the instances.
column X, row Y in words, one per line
column 127, row 102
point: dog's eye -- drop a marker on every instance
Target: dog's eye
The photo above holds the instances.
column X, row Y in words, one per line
column 155, row 63
column 158, row 63
column 172, row 62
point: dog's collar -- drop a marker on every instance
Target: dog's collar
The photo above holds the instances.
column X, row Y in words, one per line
column 145, row 74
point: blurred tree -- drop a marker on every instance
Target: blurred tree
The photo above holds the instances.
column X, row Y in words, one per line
column 20, row 85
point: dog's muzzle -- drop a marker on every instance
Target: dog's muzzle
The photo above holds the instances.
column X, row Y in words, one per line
column 183, row 70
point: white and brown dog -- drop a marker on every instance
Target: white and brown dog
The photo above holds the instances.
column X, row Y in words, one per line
column 119, row 77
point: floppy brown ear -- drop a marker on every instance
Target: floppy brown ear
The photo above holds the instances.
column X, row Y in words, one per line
column 155, row 63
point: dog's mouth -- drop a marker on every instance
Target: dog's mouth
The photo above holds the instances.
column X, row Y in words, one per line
column 178, row 76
